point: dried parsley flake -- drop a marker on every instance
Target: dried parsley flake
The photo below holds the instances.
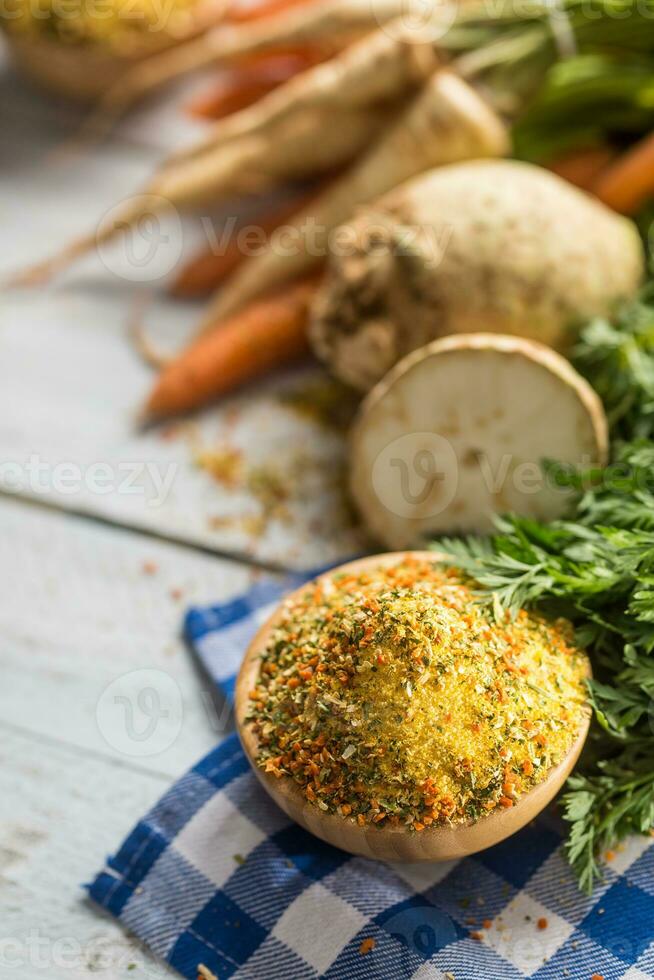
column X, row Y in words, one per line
column 389, row 695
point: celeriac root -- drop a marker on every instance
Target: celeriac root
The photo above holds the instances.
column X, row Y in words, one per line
column 454, row 249
column 447, row 122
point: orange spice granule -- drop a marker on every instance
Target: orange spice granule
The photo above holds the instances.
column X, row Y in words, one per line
column 384, row 695
column 542, row 924
column 367, row 946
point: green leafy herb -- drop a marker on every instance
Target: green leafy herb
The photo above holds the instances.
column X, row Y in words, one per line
column 597, row 569
column 618, row 360
column 588, row 100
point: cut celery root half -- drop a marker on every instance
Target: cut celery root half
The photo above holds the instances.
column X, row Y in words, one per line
column 457, row 432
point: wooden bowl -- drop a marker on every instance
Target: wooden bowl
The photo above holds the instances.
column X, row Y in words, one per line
column 435, row 843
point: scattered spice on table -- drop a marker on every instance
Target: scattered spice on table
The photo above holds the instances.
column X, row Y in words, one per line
column 274, row 485
column 224, row 464
column 390, row 696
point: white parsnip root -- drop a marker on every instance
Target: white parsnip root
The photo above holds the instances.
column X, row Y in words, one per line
column 498, row 246
column 457, row 431
column 447, row 121
column 379, row 69
column 298, row 131
column 247, row 165
column 329, row 22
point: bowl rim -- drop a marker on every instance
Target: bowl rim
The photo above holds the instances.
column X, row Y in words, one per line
column 450, row 839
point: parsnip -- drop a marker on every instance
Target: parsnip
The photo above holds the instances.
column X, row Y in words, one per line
column 495, row 245
column 297, row 131
column 456, row 433
column 446, row 121
column 243, row 166
column 334, row 22
column 380, row 68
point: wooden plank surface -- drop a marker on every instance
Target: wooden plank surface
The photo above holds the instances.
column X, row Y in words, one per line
column 71, row 382
column 91, row 608
column 88, row 612
column 64, row 812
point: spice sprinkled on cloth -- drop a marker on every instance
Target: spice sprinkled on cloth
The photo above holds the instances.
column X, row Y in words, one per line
column 389, row 696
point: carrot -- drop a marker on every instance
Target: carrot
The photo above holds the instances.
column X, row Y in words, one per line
column 378, row 70
column 336, row 21
column 265, row 8
column 629, row 182
column 209, row 269
column 583, row 167
column 244, row 86
column 269, row 333
column 307, row 126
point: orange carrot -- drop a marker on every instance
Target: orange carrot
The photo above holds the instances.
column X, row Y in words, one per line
column 269, row 333
column 209, row 269
column 242, row 13
column 629, row 182
column 243, row 86
column 582, row 167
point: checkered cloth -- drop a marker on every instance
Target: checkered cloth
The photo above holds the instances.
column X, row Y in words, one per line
column 216, row 875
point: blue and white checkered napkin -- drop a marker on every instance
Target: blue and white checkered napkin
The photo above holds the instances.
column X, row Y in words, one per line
column 216, row 875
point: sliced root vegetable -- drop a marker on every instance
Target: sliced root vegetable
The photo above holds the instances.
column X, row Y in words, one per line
column 456, row 432
column 499, row 243
column 629, row 182
column 447, row 121
column 269, row 333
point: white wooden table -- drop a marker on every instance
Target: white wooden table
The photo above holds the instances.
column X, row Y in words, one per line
column 96, row 572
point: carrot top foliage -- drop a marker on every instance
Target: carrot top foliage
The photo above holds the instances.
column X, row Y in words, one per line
column 597, row 569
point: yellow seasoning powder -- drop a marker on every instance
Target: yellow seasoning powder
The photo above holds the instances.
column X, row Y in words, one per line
column 391, row 694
